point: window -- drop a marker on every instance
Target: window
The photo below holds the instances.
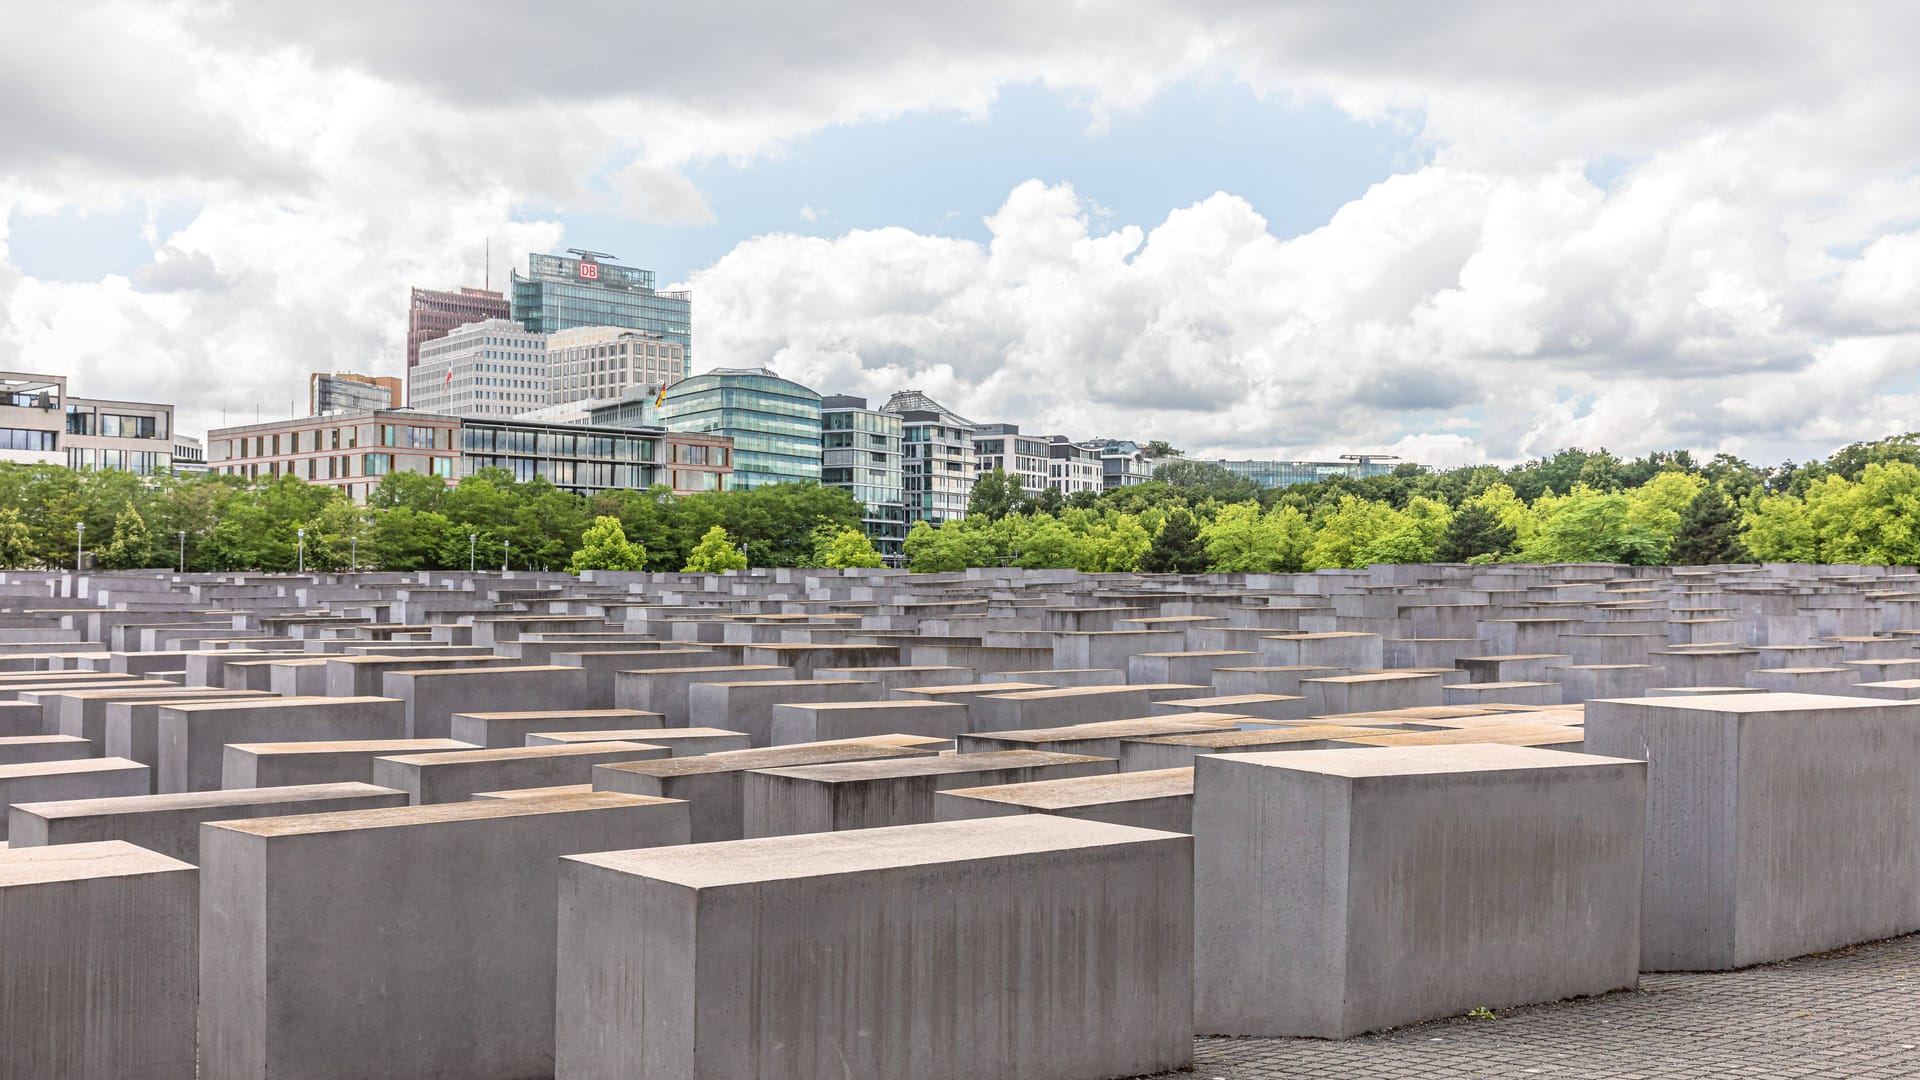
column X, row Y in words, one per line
column 25, row 439
column 79, row 421
column 377, row 464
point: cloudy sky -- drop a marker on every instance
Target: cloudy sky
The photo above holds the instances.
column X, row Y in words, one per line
column 1458, row 232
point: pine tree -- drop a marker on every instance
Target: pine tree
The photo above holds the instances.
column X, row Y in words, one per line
column 1177, row 549
column 1709, row 532
column 1475, row 530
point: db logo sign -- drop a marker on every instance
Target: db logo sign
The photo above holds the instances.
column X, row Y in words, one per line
column 590, row 271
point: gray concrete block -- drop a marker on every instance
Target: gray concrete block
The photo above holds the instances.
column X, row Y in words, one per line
column 1251, row 706
column 409, row 942
column 1345, row 891
column 97, row 963
column 1068, row 943
column 1161, row 799
column 839, row 720
column 433, row 696
column 1095, row 740
column 455, row 775
column 1178, row 751
column 194, row 736
column 292, row 764
column 1067, row 705
column 684, row 742
column 24, row 749
column 170, row 824
column 1372, row 691
column 748, row 706
column 664, row 690
column 714, row 785
column 80, row 778
column 1770, row 819
column 873, row 794
column 494, row 730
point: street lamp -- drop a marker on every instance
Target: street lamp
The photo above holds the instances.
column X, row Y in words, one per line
column 302, row 534
column 79, row 543
column 183, row 551
column 472, row 539
column 353, row 554
column 507, row 556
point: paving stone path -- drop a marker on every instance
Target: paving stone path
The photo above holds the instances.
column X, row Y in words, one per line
column 1852, row 1013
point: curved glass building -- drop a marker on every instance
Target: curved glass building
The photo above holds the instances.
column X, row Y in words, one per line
column 774, row 422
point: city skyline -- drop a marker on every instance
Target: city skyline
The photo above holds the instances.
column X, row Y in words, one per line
column 1481, row 233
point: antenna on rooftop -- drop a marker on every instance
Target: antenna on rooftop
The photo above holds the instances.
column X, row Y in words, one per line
column 591, row 256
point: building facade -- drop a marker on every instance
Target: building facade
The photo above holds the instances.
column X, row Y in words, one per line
column 1279, row 474
column 937, row 465
column 1122, row 463
column 189, row 455
column 1073, row 467
column 559, row 293
column 860, row 452
column 344, row 391
column 431, row 313
column 1001, row 446
column 40, row 423
column 495, row 368
column 354, row 452
column 588, row 363
column 774, row 423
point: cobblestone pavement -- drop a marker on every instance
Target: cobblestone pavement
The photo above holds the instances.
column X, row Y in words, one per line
column 1852, row 1013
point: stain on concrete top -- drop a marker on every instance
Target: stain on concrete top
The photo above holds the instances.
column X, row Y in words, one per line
column 1079, row 791
column 76, row 862
column 197, row 800
column 393, row 817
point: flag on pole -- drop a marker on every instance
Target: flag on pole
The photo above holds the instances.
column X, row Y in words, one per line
column 660, row 398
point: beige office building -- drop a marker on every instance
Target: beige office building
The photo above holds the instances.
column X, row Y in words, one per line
column 41, row 423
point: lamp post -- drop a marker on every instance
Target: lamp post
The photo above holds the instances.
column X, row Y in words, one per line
column 302, row 535
column 472, row 539
column 79, row 543
column 353, row 554
column 506, row 556
column 183, row 551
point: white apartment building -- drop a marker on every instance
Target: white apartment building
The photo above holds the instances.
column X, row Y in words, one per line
column 495, row 368
column 604, row 362
column 1072, row 466
column 41, row 423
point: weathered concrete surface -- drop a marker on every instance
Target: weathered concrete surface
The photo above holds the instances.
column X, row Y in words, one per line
column 872, row 794
column 799, row 722
column 715, row 784
column 1344, row 891
column 455, row 775
column 79, row 778
column 1038, row 962
column 417, row 941
column 97, row 963
column 1161, row 799
column 494, row 730
column 194, row 735
column 1772, row 820
column 289, row 764
column 683, row 741
column 433, row 695
column 170, row 824
column 748, row 706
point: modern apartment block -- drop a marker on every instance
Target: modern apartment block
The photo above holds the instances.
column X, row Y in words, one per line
column 1122, row 463
column 432, row 313
column 1073, row 467
column 1001, row 446
column 41, row 423
column 937, row 463
column 774, row 423
column 344, row 391
column 559, row 293
column 189, row 455
column 354, row 452
column 588, row 363
column 860, row 452
column 494, row 368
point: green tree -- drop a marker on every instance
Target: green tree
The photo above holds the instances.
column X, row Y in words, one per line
column 1475, row 531
column 605, row 546
column 1343, row 535
column 1242, row 540
column 1777, row 528
column 996, row 493
column 131, row 546
column 1113, row 543
column 849, row 549
column 1708, row 532
column 1590, row 526
column 1176, row 548
column 715, row 554
column 16, row 540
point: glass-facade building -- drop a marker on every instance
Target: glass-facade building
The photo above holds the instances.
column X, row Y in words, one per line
column 1001, row 446
column 860, row 452
column 1279, row 474
column 559, row 293
column 774, row 423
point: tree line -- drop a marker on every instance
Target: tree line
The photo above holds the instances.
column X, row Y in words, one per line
column 1862, row 505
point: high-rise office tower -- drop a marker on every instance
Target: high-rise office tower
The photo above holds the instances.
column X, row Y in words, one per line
column 560, row 292
column 431, row 313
